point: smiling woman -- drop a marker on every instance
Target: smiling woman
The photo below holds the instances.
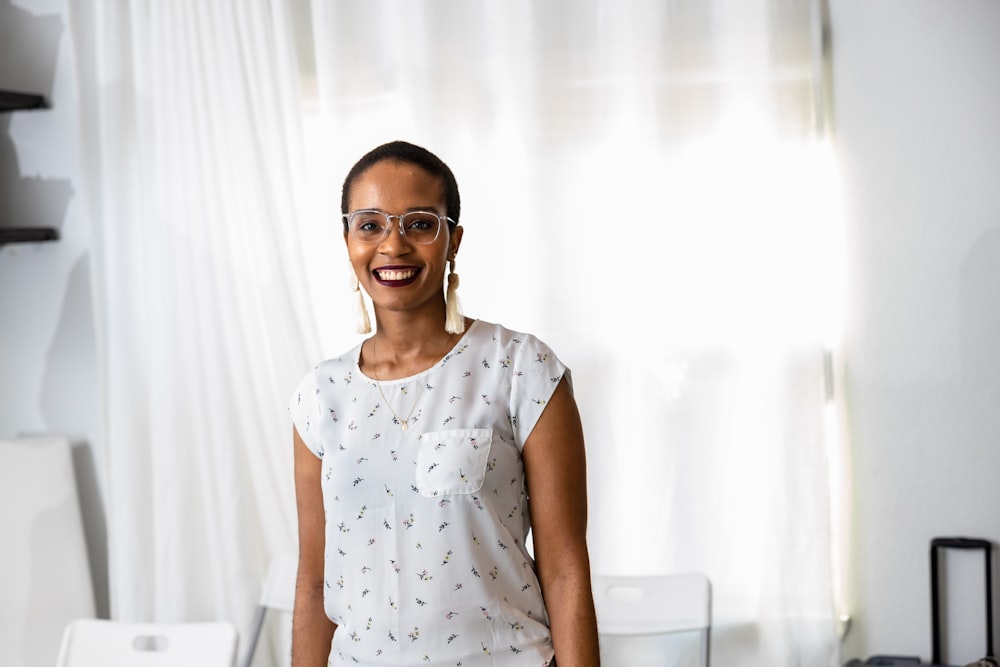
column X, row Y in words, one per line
column 433, row 448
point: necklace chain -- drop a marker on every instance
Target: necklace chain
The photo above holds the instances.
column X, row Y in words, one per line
column 405, row 423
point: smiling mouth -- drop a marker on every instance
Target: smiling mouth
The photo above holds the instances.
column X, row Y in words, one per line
column 394, row 275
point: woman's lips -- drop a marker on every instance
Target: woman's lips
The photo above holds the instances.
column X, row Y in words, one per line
column 395, row 277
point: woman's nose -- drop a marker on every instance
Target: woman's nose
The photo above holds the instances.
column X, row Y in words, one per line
column 394, row 241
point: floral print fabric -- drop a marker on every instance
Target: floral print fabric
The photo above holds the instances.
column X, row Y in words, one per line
column 426, row 562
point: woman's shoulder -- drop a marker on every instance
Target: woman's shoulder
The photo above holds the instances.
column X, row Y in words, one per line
column 494, row 332
column 338, row 366
column 507, row 338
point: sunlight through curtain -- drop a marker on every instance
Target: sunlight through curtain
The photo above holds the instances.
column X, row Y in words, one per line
column 646, row 185
column 192, row 152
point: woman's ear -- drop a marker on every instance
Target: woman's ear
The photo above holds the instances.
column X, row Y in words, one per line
column 455, row 241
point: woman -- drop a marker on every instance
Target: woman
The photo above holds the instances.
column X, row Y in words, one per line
column 419, row 453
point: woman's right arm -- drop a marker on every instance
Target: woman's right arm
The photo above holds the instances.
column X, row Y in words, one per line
column 312, row 631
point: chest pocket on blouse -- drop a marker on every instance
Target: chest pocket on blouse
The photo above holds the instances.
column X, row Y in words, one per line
column 453, row 461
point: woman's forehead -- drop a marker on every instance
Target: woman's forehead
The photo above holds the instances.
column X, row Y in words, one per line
column 396, row 182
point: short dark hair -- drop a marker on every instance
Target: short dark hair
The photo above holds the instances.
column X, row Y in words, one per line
column 403, row 151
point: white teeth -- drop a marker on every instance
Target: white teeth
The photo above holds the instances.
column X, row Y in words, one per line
column 396, row 275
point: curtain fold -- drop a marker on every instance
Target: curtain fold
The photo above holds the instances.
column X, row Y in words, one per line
column 193, row 166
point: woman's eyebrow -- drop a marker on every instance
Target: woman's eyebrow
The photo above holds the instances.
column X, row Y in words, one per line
column 412, row 209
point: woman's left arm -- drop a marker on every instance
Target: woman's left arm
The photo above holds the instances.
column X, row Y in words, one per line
column 556, row 470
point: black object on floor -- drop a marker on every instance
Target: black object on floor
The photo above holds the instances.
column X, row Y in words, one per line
column 938, row 544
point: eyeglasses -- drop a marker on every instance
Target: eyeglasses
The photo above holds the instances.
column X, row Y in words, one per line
column 371, row 226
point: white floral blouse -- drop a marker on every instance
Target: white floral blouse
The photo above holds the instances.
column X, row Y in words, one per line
column 426, row 562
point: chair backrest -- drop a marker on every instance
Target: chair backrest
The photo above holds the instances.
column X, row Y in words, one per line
column 101, row 643
column 652, row 604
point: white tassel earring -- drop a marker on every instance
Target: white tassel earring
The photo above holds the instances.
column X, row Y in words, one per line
column 362, row 323
column 454, row 322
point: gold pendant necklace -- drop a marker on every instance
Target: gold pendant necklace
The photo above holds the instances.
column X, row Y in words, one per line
column 405, row 423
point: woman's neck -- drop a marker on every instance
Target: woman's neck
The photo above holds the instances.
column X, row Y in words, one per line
column 400, row 349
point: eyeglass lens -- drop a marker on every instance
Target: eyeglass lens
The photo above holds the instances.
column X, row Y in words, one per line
column 373, row 226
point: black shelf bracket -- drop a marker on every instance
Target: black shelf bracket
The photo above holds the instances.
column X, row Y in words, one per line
column 27, row 235
column 11, row 100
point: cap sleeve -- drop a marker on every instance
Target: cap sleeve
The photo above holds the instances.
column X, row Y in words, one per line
column 537, row 372
column 303, row 408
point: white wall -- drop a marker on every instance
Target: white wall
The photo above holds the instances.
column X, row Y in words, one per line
column 49, row 381
column 917, row 115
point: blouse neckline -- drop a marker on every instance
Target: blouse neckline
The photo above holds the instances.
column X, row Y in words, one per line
column 440, row 362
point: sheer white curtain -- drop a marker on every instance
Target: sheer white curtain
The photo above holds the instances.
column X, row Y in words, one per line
column 646, row 185
column 192, row 150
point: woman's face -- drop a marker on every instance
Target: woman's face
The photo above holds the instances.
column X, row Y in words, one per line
column 396, row 273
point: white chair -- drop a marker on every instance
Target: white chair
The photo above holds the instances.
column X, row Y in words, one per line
column 101, row 643
column 653, row 605
column 277, row 594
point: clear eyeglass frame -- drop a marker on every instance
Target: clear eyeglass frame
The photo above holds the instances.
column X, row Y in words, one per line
column 358, row 224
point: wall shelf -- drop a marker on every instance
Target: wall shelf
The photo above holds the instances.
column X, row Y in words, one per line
column 11, row 100
column 27, row 235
